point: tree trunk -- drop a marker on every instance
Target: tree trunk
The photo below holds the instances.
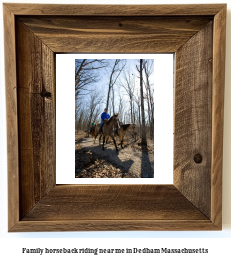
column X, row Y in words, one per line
column 113, row 78
column 150, row 101
column 89, row 123
column 113, row 101
column 139, row 120
column 143, row 137
column 131, row 109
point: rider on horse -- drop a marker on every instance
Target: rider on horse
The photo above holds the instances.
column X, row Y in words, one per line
column 104, row 117
column 92, row 125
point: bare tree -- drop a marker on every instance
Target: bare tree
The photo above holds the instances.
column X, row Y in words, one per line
column 113, row 100
column 94, row 101
column 87, row 73
column 96, row 114
column 115, row 73
column 79, row 118
column 148, row 69
column 143, row 137
column 137, row 101
column 128, row 85
column 121, row 108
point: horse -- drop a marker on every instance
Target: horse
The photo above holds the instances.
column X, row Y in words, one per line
column 108, row 129
column 121, row 131
column 94, row 131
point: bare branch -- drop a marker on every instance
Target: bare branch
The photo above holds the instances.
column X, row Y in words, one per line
column 86, row 73
column 115, row 73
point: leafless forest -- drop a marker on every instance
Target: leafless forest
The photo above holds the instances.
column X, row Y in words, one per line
column 125, row 87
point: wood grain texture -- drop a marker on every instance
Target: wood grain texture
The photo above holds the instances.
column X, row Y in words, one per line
column 193, row 125
column 114, row 34
column 12, row 113
column 114, row 10
column 114, row 207
column 114, row 202
column 218, row 115
column 35, row 68
column 114, row 225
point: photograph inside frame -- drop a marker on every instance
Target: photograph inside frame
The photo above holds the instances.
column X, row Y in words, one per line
column 114, row 118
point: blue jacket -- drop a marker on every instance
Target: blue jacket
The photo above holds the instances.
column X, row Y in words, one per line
column 105, row 116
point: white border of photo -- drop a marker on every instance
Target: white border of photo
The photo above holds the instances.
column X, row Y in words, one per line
column 163, row 119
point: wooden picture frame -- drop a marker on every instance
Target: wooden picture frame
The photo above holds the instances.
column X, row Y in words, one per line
column 33, row 34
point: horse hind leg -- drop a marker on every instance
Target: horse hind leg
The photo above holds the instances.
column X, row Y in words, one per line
column 114, row 142
column 103, row 141
column 100, row 139
column 96, row 137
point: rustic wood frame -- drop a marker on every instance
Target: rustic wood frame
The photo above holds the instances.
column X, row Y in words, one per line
column 33, row 33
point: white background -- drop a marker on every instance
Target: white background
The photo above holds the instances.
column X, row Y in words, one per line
column 218, row 242
column 65, row 115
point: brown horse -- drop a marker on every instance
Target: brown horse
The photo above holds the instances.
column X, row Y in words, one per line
column 94, row 131
column 108, row 129
column 121, row 131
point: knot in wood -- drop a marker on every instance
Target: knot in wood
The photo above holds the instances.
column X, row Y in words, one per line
column 198, row 158
column 45, row 94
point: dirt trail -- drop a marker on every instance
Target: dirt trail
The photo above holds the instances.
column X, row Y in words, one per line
column 130, row 162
